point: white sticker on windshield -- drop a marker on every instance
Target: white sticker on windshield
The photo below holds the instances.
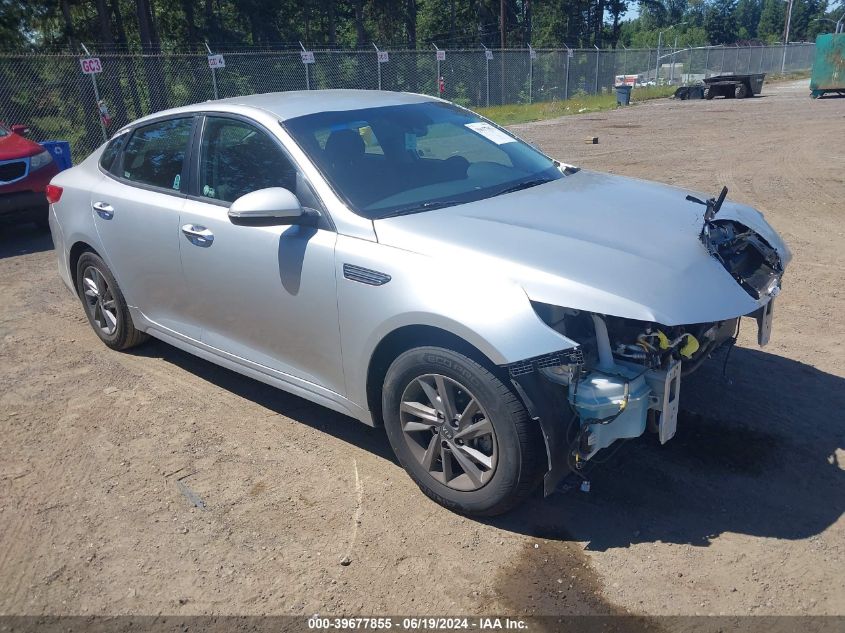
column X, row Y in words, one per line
column 410, row 141
column 490, row 133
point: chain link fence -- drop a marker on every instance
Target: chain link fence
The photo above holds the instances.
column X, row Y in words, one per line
column 51, row 95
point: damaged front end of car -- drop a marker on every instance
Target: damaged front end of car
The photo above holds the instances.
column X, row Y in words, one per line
column 624, row 375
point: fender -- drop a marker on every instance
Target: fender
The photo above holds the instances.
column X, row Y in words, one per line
column 490, row 312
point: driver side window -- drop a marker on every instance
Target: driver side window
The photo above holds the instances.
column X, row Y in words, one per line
column 237, row 158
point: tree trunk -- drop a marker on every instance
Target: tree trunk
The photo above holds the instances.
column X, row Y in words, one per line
column 127, row 63
column 360, row 32
column 153, row 27
column 142, row 11
column 212, row 28
column 598, row 23
column 104, row 23
column 411, row 24
column 190, row 22
column 156, row 87
column 68, row 25
column 330, row 13
column 528, row 20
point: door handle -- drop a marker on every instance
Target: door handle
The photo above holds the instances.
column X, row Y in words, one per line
column 104, row 210
column 198, row 235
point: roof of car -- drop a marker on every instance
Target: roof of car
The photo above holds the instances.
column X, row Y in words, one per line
column 295, row 103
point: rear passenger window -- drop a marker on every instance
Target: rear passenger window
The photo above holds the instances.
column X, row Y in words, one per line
column 155, row 153
column 110, row 153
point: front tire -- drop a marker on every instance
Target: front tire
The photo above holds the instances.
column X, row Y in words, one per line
column 461, row 434
column 104, row 304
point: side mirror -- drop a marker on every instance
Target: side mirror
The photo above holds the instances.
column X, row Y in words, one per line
column 274, row 205
column 20, row 129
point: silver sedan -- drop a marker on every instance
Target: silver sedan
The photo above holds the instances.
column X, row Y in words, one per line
column 410, row 264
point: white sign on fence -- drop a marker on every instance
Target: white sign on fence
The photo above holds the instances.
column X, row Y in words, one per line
column 533, row 53
column 307, row 57
column 383, row 57
column 488, row 55
column 441, row 56
column 91, row 65
column 216, row 61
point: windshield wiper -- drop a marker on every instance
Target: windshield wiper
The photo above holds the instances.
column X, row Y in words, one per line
column 422, row 206
column 523, row 185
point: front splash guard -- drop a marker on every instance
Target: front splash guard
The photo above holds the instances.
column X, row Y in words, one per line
column 547, row 404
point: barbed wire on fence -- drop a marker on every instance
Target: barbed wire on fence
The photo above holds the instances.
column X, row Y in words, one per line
column 50, row 94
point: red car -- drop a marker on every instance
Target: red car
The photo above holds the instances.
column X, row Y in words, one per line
column 25, row 171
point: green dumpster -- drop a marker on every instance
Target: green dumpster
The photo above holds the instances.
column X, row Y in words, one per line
column 829, row 65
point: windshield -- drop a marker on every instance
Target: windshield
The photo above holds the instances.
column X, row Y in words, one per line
column 402, row 159
column 3, row 131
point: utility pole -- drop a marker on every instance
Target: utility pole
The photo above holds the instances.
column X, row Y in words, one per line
column 502, row 24
column 657, row 61
column 788, row 23
column 674, row 51
column 786, row 36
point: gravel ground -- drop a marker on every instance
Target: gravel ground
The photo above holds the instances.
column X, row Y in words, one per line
column 740, row 514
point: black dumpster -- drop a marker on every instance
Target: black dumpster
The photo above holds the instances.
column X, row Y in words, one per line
column 728, row 86
column 690, row 92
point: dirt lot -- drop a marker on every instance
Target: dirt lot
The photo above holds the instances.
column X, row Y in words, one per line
column 740, row 514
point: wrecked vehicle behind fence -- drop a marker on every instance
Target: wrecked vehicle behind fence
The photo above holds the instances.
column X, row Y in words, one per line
column 408, row 263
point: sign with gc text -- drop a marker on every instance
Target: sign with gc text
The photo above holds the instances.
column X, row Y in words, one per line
column 307, row 57
column 216, row 61
column 383, row 57
column 441, row 56
column 91, row 65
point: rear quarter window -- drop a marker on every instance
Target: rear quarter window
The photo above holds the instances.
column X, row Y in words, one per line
column 107, row 158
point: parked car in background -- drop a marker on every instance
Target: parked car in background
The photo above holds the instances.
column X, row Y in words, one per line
column 26, row 169
column 406, row 262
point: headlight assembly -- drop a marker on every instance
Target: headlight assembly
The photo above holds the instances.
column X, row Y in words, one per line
column 40, row 160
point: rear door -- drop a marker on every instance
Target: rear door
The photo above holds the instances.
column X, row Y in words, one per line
column 136, row 211
column 265, row 294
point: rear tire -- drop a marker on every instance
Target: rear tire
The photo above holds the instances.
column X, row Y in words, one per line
column 708, row 93
column 483, row 470
column 104, row 304
column 741, row 91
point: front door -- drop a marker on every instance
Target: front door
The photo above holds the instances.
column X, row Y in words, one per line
column 266, row 294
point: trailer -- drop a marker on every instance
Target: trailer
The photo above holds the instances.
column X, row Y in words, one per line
column 828, row 66
column 730, row 86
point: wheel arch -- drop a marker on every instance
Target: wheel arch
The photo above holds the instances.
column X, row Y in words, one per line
column 408, row 337
column 76, row 251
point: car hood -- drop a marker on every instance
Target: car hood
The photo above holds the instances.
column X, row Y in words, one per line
column 16, row 146
column 595, row 242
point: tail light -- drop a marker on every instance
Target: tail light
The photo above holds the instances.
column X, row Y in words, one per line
column 54, row 193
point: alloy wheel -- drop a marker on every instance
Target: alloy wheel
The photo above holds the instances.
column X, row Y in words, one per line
column 99, row 300
column 448, row 432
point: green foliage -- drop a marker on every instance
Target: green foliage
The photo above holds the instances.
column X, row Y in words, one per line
column 747, row 16
column 719, row 21
column 699, row 22
column 770, row 28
